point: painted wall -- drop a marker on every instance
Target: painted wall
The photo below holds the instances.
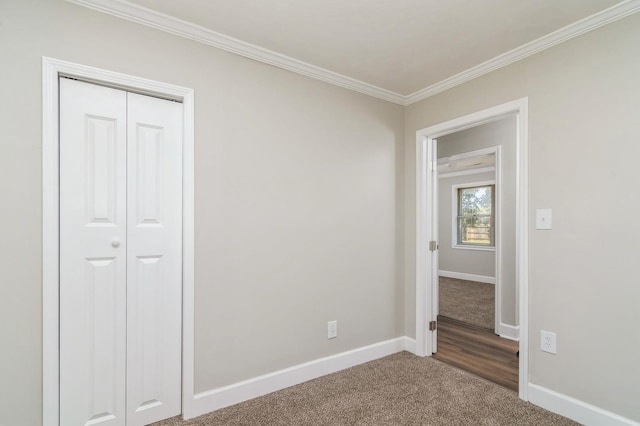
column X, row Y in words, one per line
column 299, row 201
column 498, row 133
column 476, row 262
column 584, row 98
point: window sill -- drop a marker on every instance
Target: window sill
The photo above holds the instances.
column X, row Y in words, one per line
column 473, row 248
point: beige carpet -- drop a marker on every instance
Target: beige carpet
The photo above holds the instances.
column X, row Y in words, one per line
column 400, row 389
column 468, row 301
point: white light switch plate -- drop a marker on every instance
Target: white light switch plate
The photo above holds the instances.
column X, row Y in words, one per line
column 332, row 329
column 543, row 219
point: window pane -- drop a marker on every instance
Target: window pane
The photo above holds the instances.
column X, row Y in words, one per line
column 476, row 200
column 475, row 216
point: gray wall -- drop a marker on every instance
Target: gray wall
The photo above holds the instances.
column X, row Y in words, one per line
column 299, row 201
column 498, row 133
column 477, row 262
column 584, row 98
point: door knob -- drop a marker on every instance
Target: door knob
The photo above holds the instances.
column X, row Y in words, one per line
column 115, row 242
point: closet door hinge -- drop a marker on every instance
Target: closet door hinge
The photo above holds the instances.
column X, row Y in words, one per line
column 433, row 246
column 433, row 325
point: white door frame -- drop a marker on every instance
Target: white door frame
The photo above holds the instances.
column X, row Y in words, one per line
column 52, row 69
column 424, row 285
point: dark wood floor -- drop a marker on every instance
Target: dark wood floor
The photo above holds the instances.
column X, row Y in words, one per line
column 478, row 351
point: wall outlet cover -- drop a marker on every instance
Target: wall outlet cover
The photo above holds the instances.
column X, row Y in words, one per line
column 548, row 342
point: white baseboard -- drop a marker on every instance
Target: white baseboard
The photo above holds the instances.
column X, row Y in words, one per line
column 575, row 409
column 410, row 345
column 511, row 332
column 206, row 402
column 468, row 277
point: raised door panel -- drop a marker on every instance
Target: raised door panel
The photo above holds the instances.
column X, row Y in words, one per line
column 154, row 259
column 92, row 254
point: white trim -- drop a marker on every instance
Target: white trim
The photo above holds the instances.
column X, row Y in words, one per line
column 508, row 331
column 160, row 21
column 466, row 172
column 423, row 267
column 472, row 248
column 498, row 241
column 188, row 252
column 470, row 154
column 522, row 241
column 424, row 288
column 575, row 409
column 50, row 239
column 409, row 344
column 215, row 399
column 467, row 277
column 51, row 70
column 597, row 20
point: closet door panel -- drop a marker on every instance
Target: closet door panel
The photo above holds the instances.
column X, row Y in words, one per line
column 154, row 259
column 92, row 254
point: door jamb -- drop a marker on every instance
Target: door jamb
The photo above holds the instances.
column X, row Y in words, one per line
column 52, row 69
column 424, row 285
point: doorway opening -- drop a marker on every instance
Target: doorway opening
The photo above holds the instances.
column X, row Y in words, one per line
column 470, row 225
column 476, row 257
column 472, row 232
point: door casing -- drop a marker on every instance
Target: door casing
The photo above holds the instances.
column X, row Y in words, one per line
column 425, row 288
column 52, row 69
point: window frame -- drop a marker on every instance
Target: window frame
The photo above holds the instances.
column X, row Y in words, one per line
column 455, row 205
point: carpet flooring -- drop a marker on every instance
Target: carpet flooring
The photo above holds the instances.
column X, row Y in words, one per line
column 468, row 301
column 401, row 389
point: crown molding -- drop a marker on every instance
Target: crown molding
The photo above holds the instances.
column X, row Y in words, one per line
column 597, row 20
column 160, row 21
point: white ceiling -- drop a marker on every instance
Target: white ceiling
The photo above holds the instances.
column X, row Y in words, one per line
column 402, row 51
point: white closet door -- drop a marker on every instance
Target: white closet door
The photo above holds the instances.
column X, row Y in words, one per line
column 154, row 259
column 120, row 256
column 92, row 254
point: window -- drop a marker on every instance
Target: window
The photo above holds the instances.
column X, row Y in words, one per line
column 475, row 216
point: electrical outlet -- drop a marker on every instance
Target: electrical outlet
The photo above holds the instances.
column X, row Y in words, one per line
column 332, row 329
column 547, row 341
